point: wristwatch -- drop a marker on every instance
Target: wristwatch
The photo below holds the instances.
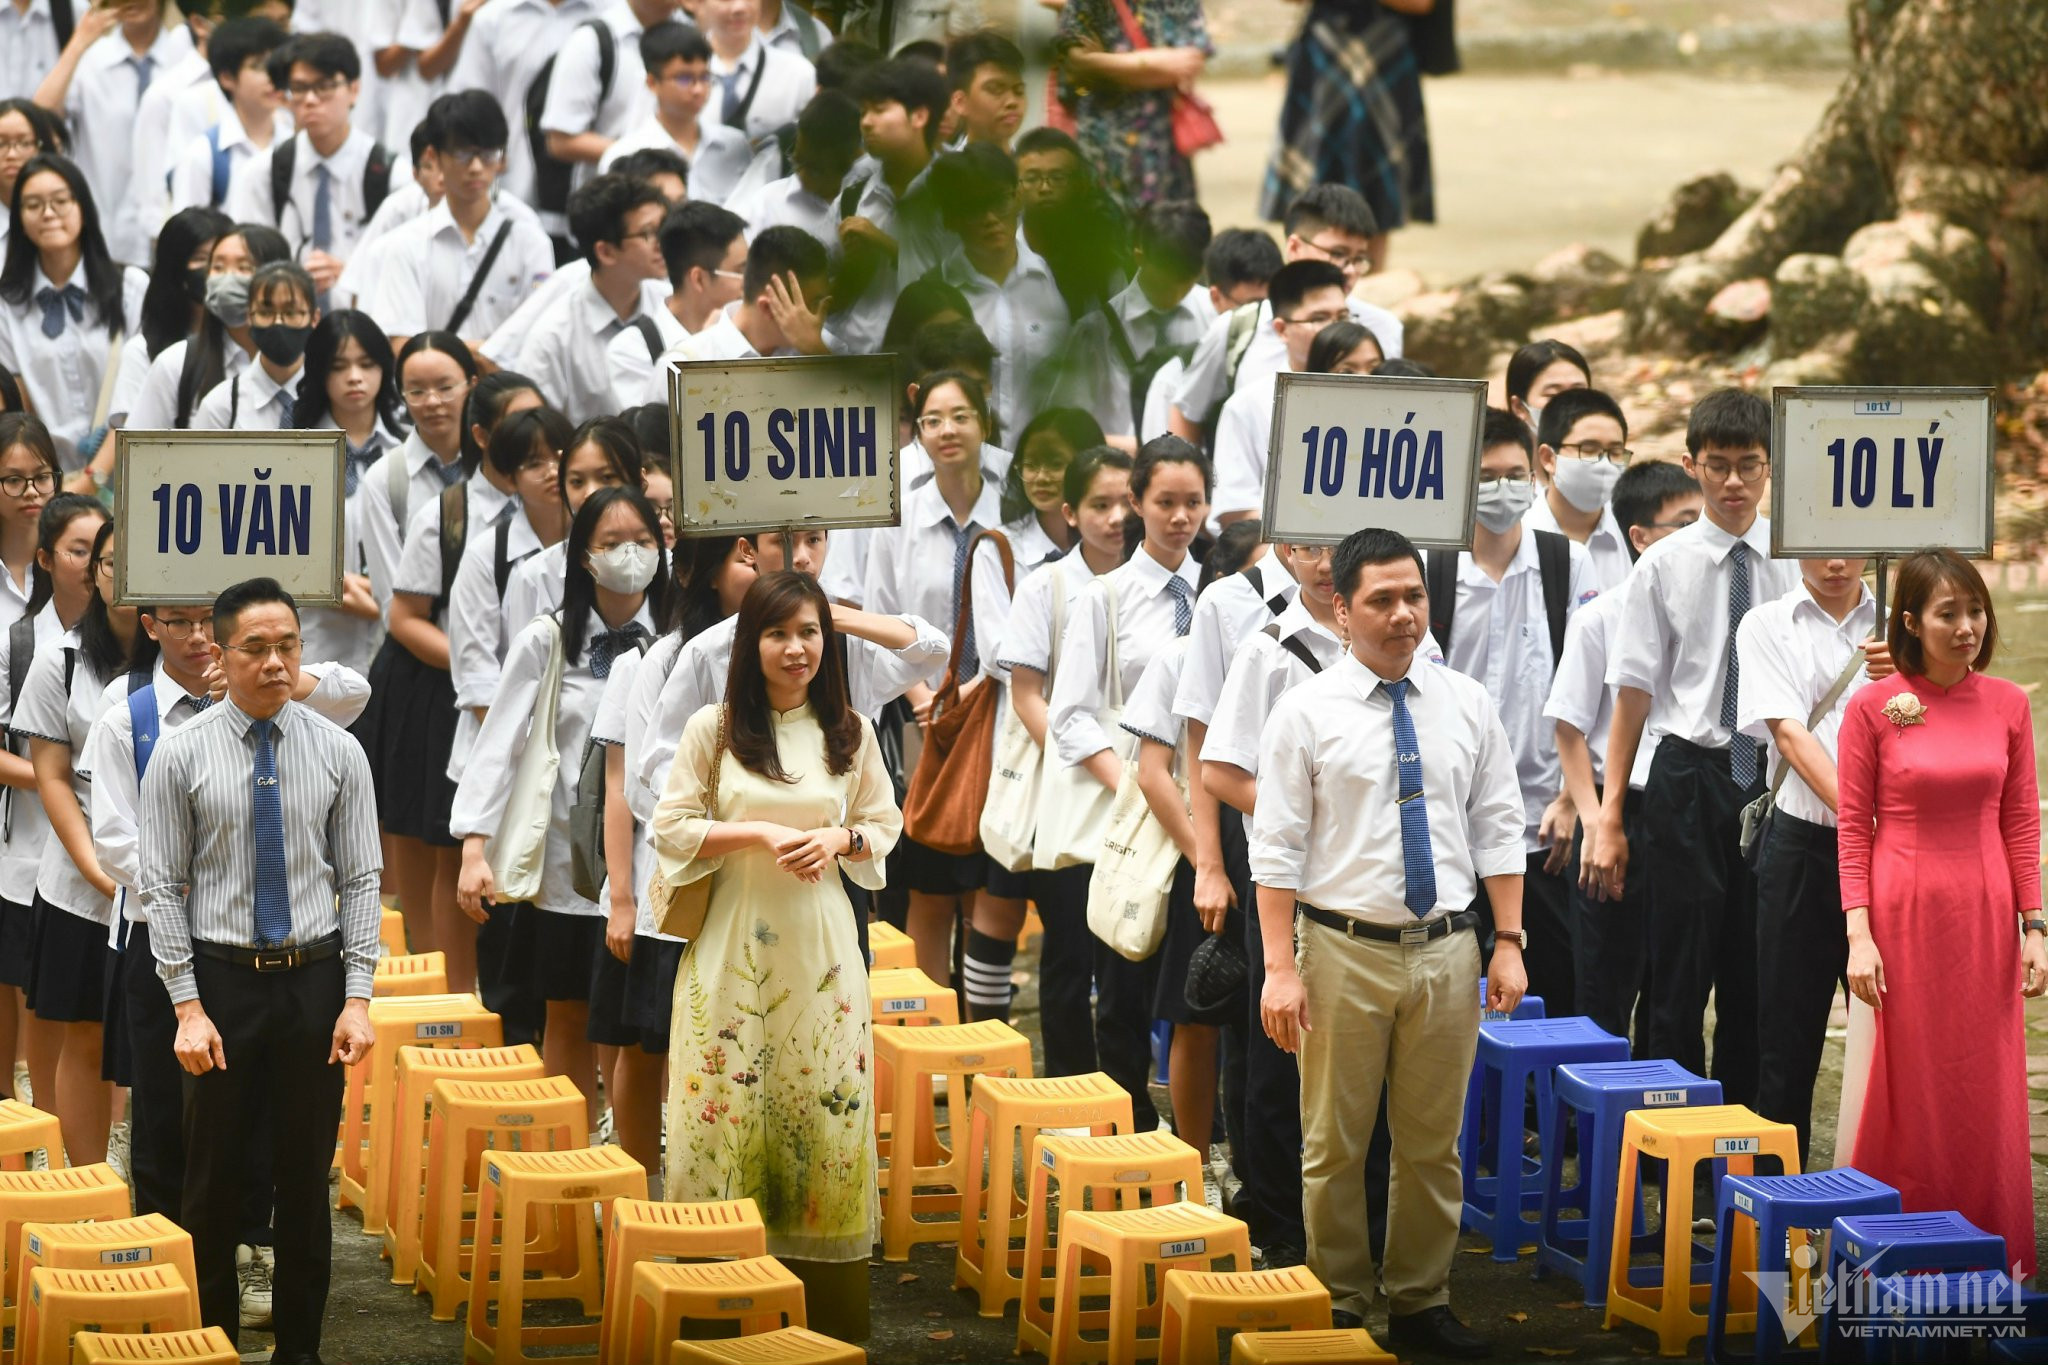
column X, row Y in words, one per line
column 1518, row 937
column 856, row 842
column 2035, row 925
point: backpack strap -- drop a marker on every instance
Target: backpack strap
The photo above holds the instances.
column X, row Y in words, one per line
column 454, row 535
column 70, row 669
column 284, row 159
column 464, row 304
column 376, row 180
column 64, row 20
column 234, row 401
column 806, row 29
column 398, row 483
column 221, row 162
column 501, row 558
column 1440, row 580
column 849, row 198
column 649, row 333
column 21, row 652
column 188, row 382
column 736, row 117
column 1554, row 567
column 1237, row 339
column 1293, row 645
column 142, row 725
column 607, row 56
column 1275, row 602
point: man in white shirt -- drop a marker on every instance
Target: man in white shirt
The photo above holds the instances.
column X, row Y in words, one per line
column 1501, row 610
column 827, row 145
column 590, row 107
column 252, row 114
column 617, row 220
column 508, row 43
column 1581, row 452
column 1803, row 650
column 467, row 263
column 1302, row 298
column 1611, row 940
column 986, row 71
column 785, row 267
column 1387, row 797
column 677, row 60
column 1675, row 663
column 333, row 176
column 791, row 27
column 1329, row 223
column 705, row 250
column 895, row 222
column 756, row 88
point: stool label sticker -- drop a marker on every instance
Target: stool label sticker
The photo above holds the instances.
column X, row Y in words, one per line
column 904, row 1004
column 127, row 1256
column 514, row 1120
column 35, row 1244
column 1658, row 1099
column 736, row 1304
column 492, row 1171
column 1046, row 1157
column 1133, row 1177
column 1743, row 1146
column 1193, row 1246
column 972, row 1059
column 449, row 1030
column 1744, row 1202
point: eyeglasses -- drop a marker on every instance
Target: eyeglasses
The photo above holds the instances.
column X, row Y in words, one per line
column 652, row 234
column 1589, row 451
column 666, row 511
column 290, row 317
column 1751, row 469
column 318, row 90
column 56, row 205
column 181, row 629
column 1317, row 320
column 490, row 158
column 99, row 563
column 537, row 464
column 1511, row 480
column 1337, row 256
column 1045, row 469
column 689, row 80
column 14, row 485
column 960, row 419
column 446, row 393
column 18, row 146
column 1046, row 180
column 286, row 650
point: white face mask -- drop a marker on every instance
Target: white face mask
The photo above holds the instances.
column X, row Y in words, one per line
column 624, row 568
column 1501, row 503
column 1586, row 484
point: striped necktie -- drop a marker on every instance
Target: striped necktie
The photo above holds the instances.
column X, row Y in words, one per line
column 1743, row 763
column 1418, row 861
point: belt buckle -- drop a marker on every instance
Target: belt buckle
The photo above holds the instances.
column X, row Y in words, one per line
column 276, row 959
column 1417, row 932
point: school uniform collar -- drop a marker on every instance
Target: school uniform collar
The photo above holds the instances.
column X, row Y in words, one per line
column 37, row 9
column 928, row 508
column 232, row 134
column 418, row 455
column 441, row 221
column 791, row 189
column 346, row 165
column 1525, row 561
column 1720, row 544
column 594, row 625
column 1131, row 305
column 241, row 720
column 168, row 693
column 721, row 338
column 597, row 317
column 757, row 50
column 1540, row 517
column 1861, row 620
column 621, row 20
column 786, row 23
column 1152, row 576
column 961, row 272
column 1294, row 620
column 1368, row 682
column 259, row 389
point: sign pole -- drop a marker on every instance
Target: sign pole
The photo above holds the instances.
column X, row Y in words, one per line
column 1883, row 565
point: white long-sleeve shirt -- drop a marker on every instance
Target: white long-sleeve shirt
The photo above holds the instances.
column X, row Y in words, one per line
column 26, row 827
column 910, row 567
column 1234, row 606
column 1145, row 618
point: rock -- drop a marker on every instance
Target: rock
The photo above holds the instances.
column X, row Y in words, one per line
column 1827, row 363
column 1812, row 297
column 1693, row 217
column 1913, row 331
column 1390, row 288
column 1448, row 331
column 1668, row 309
column 1507, row 304
column 1595, row 336
column 1738, row 311
column 1955, row 255
column 1579, row 279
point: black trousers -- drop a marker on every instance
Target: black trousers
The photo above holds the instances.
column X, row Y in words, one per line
column 1802, row 954
column 1612, row 939
column 276, row 1031
column 504, row 971
column 1124, row 991
column 1702, row 916
column 1066, row 970
column 1269, row 1161
column 1553, row 935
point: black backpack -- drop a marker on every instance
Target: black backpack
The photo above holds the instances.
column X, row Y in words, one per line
column 1553, row 566
column 283, row 161
column 587, row 869
column 551, row 174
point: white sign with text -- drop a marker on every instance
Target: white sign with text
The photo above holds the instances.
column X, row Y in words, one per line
column 1863, row 471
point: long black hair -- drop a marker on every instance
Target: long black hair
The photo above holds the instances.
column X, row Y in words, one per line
column 313, row 406
column 1075, row 428
column 456, row 349
column 168, row 305
column 98, row 645
column 750, row 729
column 47, row 128
column 698, row 561
column 51, row 523
column 579, row 589
column 487, row 400
column 209, row 367
column 102, row 272
column 1337, row 340
column 613, row 437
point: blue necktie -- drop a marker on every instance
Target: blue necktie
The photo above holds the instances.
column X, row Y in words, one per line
column 1417, row 861
column 323, row 208
column 200, row 702
column 1742, row 750
column 970, row 657
column 145, row 71
column 361, row 458
column 1183, row 604
column 729, row 106
column 608, row 645
column 55, row 303
column 273, row 889
column 450, row 472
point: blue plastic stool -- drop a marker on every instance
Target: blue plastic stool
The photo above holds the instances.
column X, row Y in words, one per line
column 1985, row 1300
column 1512, row 1053
column 1530, row 1006
column 1877, row 1246
column 1595, row 1097
column 1778, row 1205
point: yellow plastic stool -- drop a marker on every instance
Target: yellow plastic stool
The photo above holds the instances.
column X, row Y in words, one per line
column 72, row 1194
column 25, row 1129
column 1199, row 1304
column 1131, row 1241
column 391, row 932
column 441, row 1021
column 207, row 1346
column 1684, row 1138
column 59, row 1302
column 903, row 997
column 470, row 1118
column 789, row 1346
column 411, row 1096
column 1077, row 1174
column 758, row 1293
column 557, row 1187
column 411, row 974
column 117, row 1244
column 911, row 1058
column 1348, row 1346
column 890, row 947
column 1009, row 1111
column 652, row 1230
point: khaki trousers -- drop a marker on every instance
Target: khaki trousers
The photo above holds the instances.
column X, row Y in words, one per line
column 1407, row 1014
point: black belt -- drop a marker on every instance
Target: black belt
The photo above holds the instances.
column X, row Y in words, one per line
column 1422, row 931
column 272, row 959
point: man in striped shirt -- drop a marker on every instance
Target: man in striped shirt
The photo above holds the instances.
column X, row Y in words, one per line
column 259, row 870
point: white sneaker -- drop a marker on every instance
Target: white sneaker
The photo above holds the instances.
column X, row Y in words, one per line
column 23, row 1091
column 118, row 1139
column 253, row 1266
column 601, row 1136
column 1212, row 1195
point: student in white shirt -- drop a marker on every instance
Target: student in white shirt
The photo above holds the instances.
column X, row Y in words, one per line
column 827, row 145
column 1304, row 297
column 174, row 305
column 1675, row 664
column 263, row 396
column 29, row 476
column 29, row 44
column 1035, row 485
column 986, row 72
column 617, row 223
column 785, row 268
column 334, row 174
column 618, row 594
column 756, row 88
column 64, row 302
column 26, row 129
column 677, row 61
column 1652, row 499
column 1500, row 611
column 1538, row 372
column 603, row 453
column 1155, row 600
column 1793, row 652
column 705, row 250
column 892, row 228
column 502, row 48
column 1581, row 451
column 115, row 52
column 1331, row 223
column 584, row 116
column 467, row 263
column 252, row 114
column 1364, row 841
column 186, row 371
